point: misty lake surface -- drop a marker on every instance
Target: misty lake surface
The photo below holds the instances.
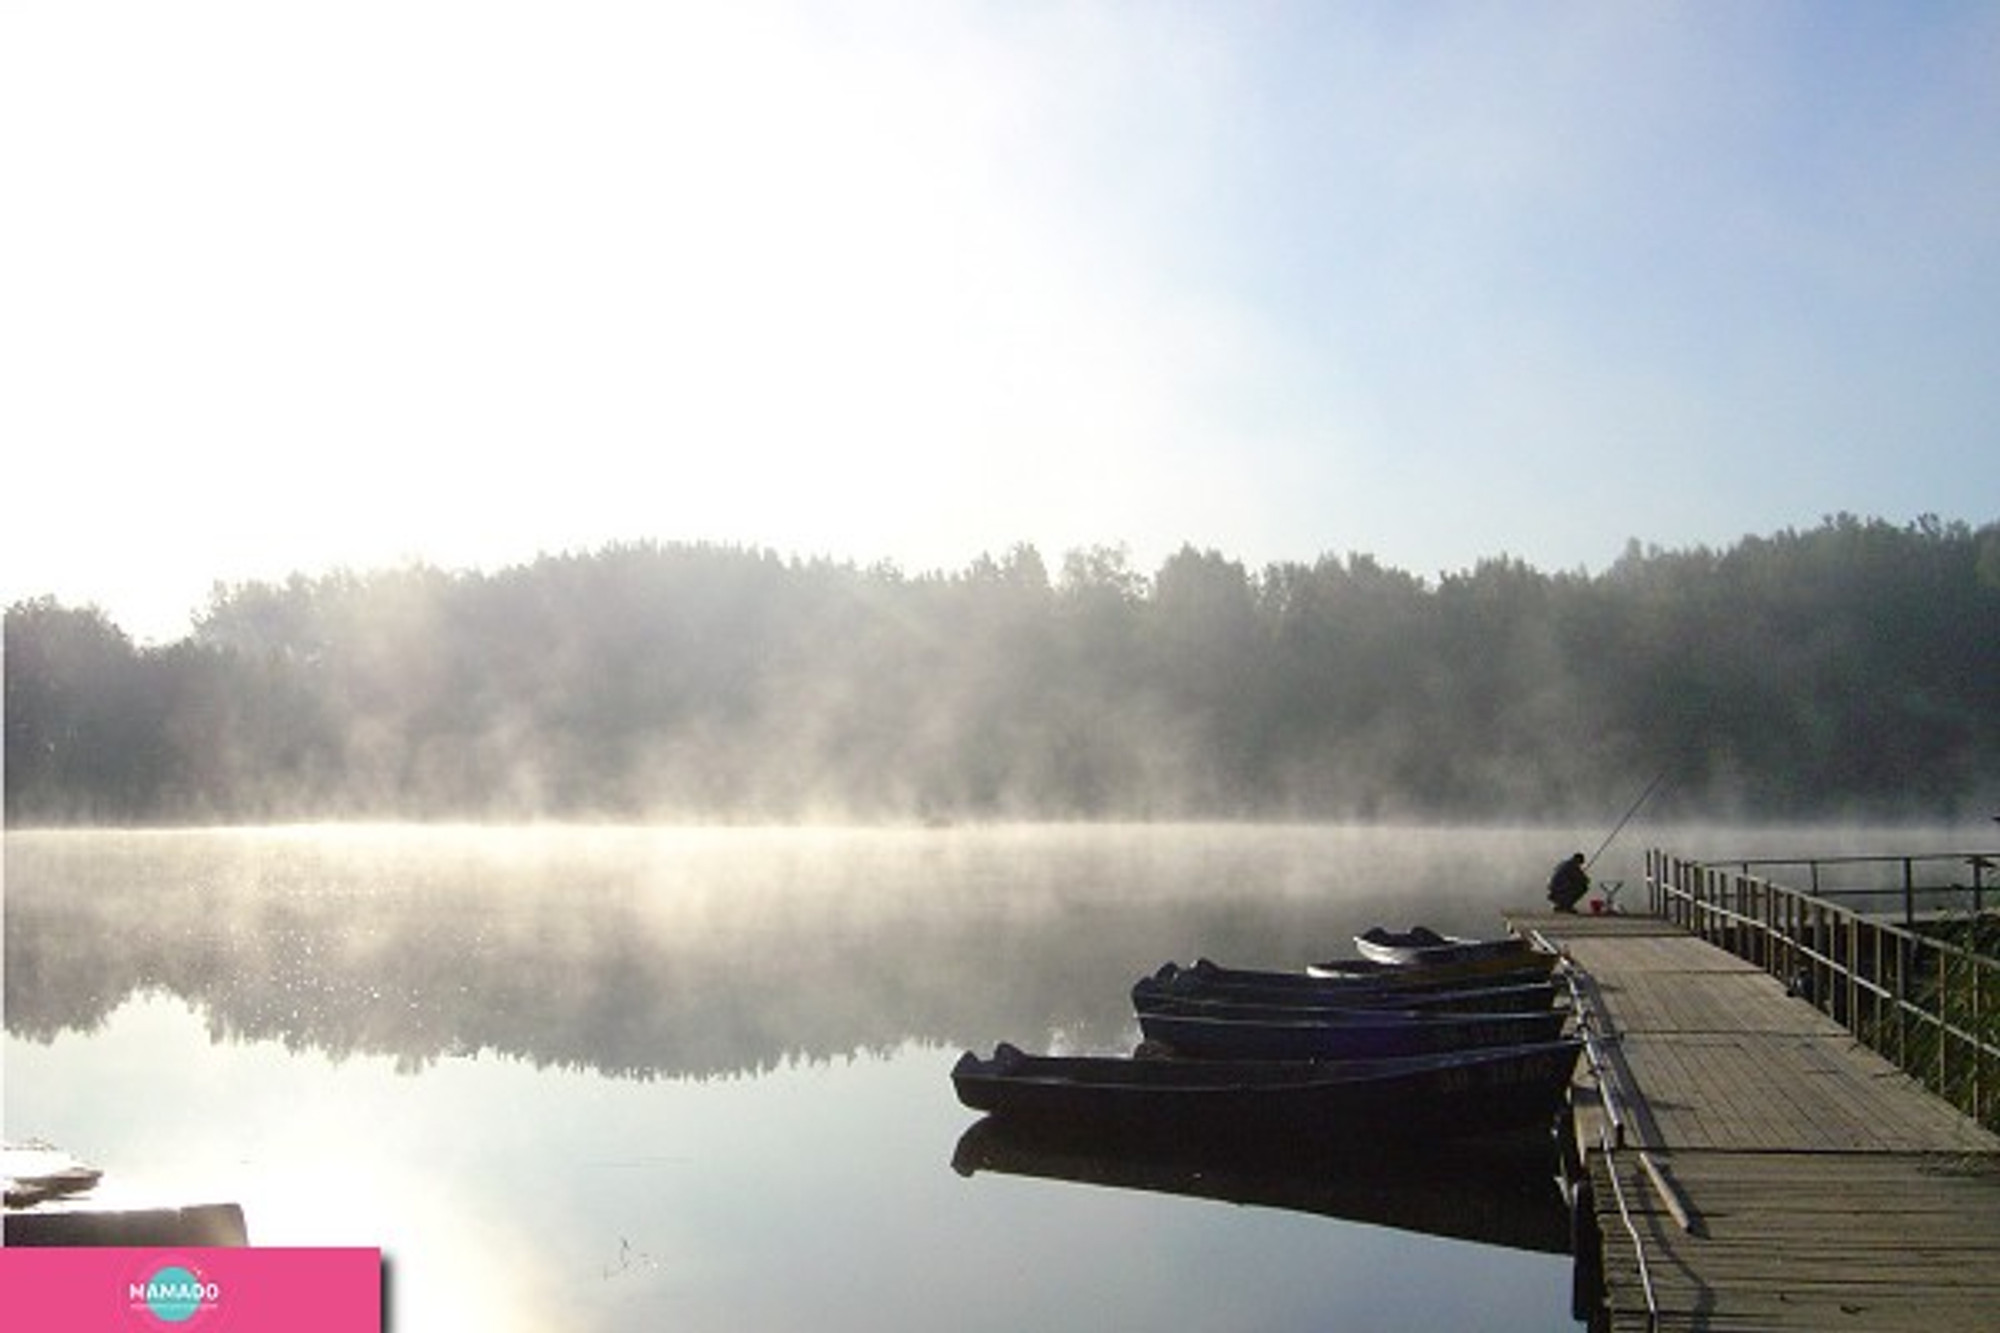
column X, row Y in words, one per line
column 616, row 1078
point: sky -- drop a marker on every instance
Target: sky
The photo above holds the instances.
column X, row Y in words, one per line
column 289, row 288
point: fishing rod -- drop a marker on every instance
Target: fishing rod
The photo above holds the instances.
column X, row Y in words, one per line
column 1619, row 827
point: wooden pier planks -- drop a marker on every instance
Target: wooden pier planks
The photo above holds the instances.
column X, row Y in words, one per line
column 1886, row 1241
column 1827, row 1188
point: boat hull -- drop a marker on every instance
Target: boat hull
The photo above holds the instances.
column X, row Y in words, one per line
column 1425, row 948
column 1350, row 1036
column 1175, row 989
column 1357, row 976
column 1466, row 1093
column 1147, row 999
column 1517, row 964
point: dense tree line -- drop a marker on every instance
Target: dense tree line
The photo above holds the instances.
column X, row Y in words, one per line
column 1853, row 667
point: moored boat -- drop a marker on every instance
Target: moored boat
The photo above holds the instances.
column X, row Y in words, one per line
column 1458, row 1093
column 34, row 1172
column 1520, row 964
column 50, row 1201
column 1421, row 946
column 1149, row 997
column 1176, row 989
column 1360, row 975
column 1349, row 1036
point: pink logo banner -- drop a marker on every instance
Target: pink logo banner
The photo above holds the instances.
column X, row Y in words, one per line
column 200, row 1290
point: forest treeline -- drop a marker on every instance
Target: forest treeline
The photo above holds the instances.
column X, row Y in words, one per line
column 1849, row 668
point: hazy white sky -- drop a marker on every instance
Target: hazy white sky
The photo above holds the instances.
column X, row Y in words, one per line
column 284, row 287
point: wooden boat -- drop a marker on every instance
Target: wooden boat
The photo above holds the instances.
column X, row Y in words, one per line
column 1149, row 997
column 1520, row 964
column 1175, row 989
column 49, row 1201
column 1421, row 946
column 1352, row 1036
column 1455, row 1094
column 1497, row 1190
column 34, row 1172
column 1359, row 976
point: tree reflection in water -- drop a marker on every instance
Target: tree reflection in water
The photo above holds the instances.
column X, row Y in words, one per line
column 679, row 953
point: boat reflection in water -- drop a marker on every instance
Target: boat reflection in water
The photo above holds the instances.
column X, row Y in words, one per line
column 1501, row 1192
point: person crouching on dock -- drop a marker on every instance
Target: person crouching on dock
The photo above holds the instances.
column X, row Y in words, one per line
column 1569, row 883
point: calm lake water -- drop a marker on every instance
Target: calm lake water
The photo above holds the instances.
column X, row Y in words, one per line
column 605, row 1079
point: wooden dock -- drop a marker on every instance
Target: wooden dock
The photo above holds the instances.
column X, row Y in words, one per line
column 1778, row 1174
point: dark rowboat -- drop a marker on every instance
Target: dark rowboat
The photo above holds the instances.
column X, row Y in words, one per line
column 1175, row 989
column 1352, row 1036
column 1148, row 997
column 1359, row 976
column 1456, row 1094
column 1515, row 964
column 1421, row 946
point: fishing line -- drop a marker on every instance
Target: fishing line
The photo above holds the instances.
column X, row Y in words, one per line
column 1617, row 828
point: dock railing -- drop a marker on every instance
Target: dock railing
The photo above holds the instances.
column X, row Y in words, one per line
column 1927, row 1002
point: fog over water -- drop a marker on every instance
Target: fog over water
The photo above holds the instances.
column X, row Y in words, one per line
column 671, row 951
column 656, row 951
column 577, row 1076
